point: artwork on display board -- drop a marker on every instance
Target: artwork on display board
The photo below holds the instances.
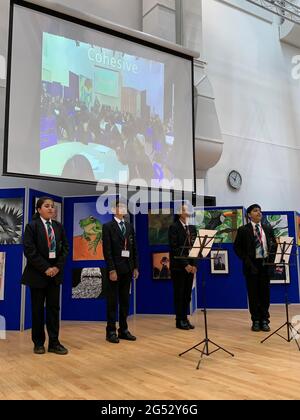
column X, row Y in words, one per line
column 2, row 275
column 57, row 206
column 87, row 232
column 279, row 274
column 279, row 223
column 225, row 222
column 11, row 221
column 158, row 227
column 219, row 262
column 298, row 228
column 88, row 283
column 161, row 265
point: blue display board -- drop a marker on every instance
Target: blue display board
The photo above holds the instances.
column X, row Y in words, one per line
column 12, row 227
column 75, row 210
column 223, row 291
column 153, row 296
column 150, row 295
column 278, row 290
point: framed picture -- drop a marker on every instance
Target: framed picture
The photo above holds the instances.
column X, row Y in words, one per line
column 88, row 283
column 219, row 262
column 11, row 221
column 158, row 227
column 279, row 275
column 225, row 222
column 279, row 224
column 161, row 265
column 87, row 232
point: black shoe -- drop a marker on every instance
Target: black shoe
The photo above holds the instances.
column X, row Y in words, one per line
column 126, row 335
column 255, row 326
column 58, row 349
column 112, row 337
column 39, row 350
column 191, row 326
column 265, row 326
column 182, row 325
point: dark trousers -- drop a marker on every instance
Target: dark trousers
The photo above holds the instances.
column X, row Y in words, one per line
column 118, row 290
column 49, row 295
column 182, row 284
column 258, row 286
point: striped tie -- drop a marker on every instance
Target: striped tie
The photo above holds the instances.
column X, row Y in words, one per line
column 188, row 234
column 123, row 228
column 258, row 241
column 51, row 236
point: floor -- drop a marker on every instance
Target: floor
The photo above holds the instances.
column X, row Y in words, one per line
column 150, row 368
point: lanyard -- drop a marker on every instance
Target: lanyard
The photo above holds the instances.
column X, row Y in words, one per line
column 48, row 239
column 125, row 245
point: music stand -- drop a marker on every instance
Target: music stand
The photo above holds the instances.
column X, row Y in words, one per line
column 291, row 330
column 205, row 244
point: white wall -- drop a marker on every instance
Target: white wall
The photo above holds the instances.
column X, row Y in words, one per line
column 257, row 102
column 113, row 10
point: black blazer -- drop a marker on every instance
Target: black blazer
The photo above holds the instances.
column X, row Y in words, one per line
column 178, row 239
column 245, row 249
column 113, row 245
column 37, row 253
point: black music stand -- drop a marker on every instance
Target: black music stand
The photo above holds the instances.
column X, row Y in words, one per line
column 291, row 330
column 204, row 244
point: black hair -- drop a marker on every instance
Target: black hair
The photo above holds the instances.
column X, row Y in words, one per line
column 252, row 207
column 39, row 204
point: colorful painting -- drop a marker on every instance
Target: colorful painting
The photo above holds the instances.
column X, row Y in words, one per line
column 158, row 227
column 2, row 274
column 279, row 275
column 88, row 283
column 11, row 221
column 279, row 223
column 226, row 222
column 87, row 232
column 161, row 265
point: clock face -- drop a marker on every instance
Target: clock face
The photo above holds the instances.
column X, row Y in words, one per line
column 235, row 180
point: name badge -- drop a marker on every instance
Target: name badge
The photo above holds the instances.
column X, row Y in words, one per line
column 125, row 253
column 52, row 254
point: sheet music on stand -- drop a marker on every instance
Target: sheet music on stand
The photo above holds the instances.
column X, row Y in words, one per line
column 284, row 249
column 282, row 260
column 200, row 251
column 203, row 243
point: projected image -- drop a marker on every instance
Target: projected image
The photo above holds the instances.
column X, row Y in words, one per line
column 103, row 114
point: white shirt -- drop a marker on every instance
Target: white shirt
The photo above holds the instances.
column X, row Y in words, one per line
column 119, row 221
column 183, row 224
column 45, row 223
column 262, row 238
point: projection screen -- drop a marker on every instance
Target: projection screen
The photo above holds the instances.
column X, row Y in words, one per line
column 86, row 103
